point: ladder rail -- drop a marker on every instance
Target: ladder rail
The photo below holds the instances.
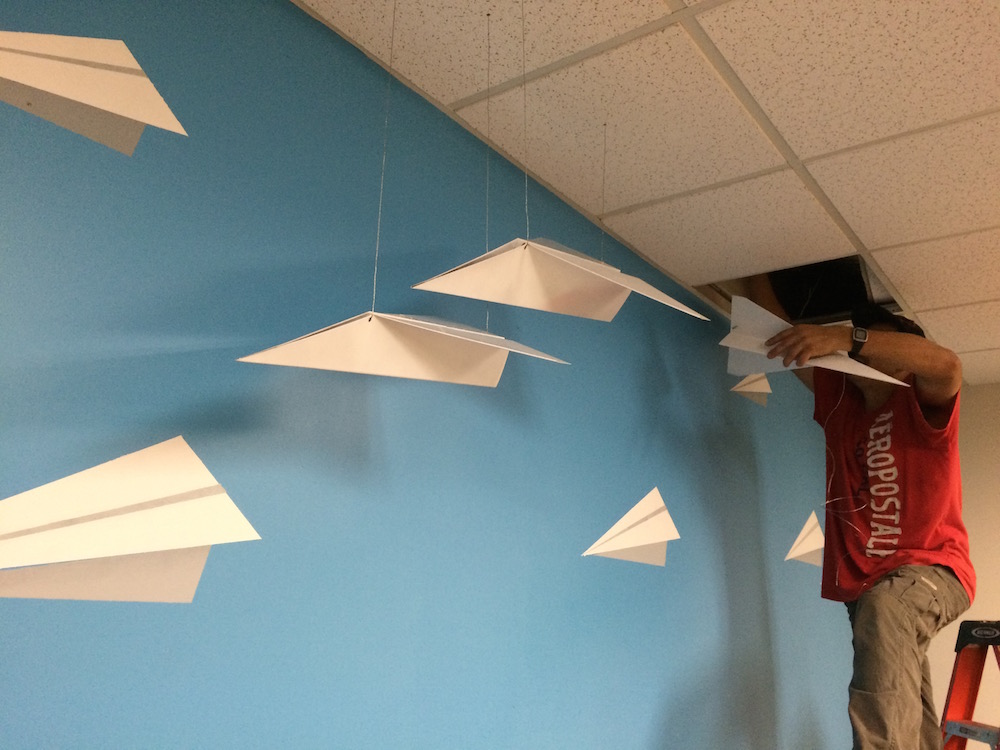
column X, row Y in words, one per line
column 975, row 640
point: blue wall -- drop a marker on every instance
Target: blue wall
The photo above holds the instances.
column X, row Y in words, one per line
column 419, row 582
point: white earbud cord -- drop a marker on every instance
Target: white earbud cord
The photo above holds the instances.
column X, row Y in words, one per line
column 833, row 468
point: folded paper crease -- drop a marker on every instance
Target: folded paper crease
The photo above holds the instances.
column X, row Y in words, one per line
column 641, row 535
column 124, row 529
column 401, row 346
column 93, row 87
column 543, row 275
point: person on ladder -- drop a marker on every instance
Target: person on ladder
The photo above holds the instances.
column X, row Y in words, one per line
column 896, row 551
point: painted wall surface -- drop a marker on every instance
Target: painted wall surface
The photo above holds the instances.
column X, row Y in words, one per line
column 981, row 512
column 419, row 582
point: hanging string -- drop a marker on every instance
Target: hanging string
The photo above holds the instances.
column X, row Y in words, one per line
column 524, row 124
column 385, row 148
column 604, row 177
column 489, row 148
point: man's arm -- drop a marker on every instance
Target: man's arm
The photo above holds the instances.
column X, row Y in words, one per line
column 937, row 370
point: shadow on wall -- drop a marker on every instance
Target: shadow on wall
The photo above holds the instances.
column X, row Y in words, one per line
column 735, row 702
column 317, row 414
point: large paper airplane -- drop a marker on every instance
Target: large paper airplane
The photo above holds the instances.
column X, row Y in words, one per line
column 137, row 528
column 93, row 87
column 641, row 535
column 754, row 387
column 808, row 546
column 401, row 346
column 752, row 325
column 543, row 275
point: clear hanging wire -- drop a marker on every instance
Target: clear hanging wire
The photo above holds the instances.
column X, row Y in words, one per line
column 385, row 149
column 524, row 126
column 604, row 178
column 489, row 149
column 488, row 134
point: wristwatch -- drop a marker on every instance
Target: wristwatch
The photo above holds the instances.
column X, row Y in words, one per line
column 859, row 337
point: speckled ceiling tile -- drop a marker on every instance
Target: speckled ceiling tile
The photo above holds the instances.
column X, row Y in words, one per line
column 440, row 45
column 844, row 72
column 672, row 126
column 367, row 24
column 946, row 272
column 924, row 186
column 749, row 227
column 968, row 328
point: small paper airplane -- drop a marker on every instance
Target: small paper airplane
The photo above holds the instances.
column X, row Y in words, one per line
column 641, row 535
column 93, row 87
column 136, row 529
column 543, row 275
column 808, row 546
column 754, row 387
column 752, row 325
column 401, row 346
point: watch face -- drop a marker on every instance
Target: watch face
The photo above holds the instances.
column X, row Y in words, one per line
column 858, row 338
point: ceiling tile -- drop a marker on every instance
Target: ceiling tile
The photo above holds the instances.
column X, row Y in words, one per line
column 750, row 227
column 893, row 107
column 968, row 328
column 440, row 45
column 366, row 24
column 837, row 74
column 981, row 368
column 671, row 125
column 947, row 272
column 932, row 184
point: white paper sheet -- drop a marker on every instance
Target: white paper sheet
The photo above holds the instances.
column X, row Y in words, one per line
column 808, row 546
column 543, row 275
column 158, row 500
column 169, row 576
column 93, row 87
column 401, row 346
column 641, row 535
column 754, row 387
column 752, row 325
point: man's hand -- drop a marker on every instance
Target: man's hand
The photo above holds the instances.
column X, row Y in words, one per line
column 803, row 342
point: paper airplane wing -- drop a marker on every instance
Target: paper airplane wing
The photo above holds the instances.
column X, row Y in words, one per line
column 156, row 500
column 402, row 347
column 93, row 87
column 754, row 387
column 808, row 546
column 169, row 576
column 641, row 535
column 752, row 325
column 522, row 274
column 614, row 276
column 473, row 335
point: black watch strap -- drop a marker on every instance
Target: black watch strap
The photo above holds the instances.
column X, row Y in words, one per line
column 859, row 337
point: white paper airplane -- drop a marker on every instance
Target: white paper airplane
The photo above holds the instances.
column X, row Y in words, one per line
column 754, row 387
column 641, row 535
column 752, row 325
column 401, row 346
column 543, row 275
column 137, row 528
column 93, row 87
column 808, row 546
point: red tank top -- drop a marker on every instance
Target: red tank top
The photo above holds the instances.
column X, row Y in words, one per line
column 894, row 489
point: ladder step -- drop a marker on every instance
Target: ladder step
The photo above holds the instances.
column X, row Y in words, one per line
column 973, row 730
column 979, row 633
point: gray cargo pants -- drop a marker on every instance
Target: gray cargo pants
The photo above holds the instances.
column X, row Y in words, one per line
column 891, row 706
